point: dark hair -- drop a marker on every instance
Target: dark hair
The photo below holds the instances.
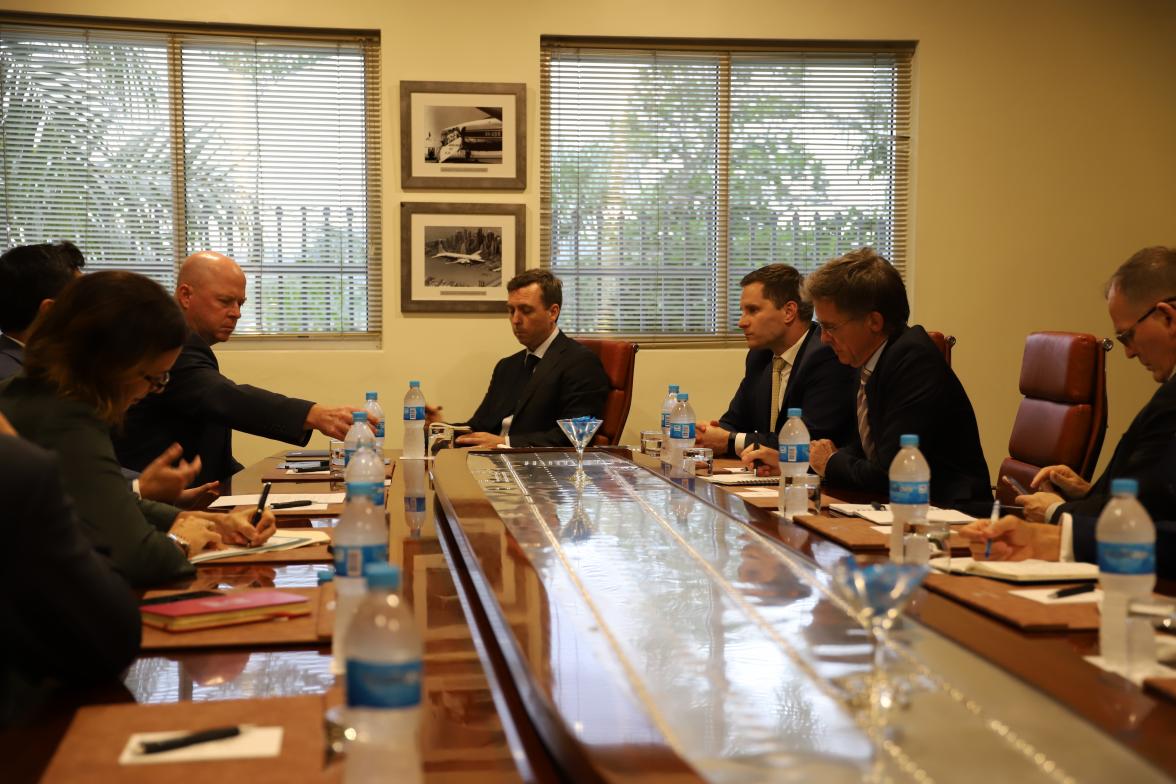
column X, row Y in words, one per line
column 30, row 274
column 551, row 290
column 1147, row 277
column 782, row 284
column 861, row 282
column 102, row 326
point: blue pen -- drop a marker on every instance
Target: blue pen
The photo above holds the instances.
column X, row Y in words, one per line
column 993, row 518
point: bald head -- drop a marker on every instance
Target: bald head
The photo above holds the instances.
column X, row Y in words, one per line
column 211, row 290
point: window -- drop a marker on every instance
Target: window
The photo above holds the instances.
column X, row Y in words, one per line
column 668, row 173
column 145, row 145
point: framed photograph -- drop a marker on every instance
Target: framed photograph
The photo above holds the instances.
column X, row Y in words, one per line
column 463, row 135
column 457, row 258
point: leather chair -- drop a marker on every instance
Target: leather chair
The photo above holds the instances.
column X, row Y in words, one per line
column 1063, row 416
column 945, row 343
column 619, row 357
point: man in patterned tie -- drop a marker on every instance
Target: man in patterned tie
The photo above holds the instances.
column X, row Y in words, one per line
column 787, row 367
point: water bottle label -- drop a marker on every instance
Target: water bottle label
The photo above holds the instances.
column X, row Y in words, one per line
column 414, row 413
column 373, row 490
column 665, row 421
column 383, row 685
column 349, row 560
column 380, row 429
column 414, row 504
column 1126, row 558
column 347, row 455
column 910, row 492
column 794, row 453
column 682, row 430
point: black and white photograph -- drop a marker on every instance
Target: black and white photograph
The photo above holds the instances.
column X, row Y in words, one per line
column 464, row 135
column 458, row 257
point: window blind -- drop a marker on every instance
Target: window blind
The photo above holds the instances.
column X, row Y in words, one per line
column 143, row 146
column 668, row 173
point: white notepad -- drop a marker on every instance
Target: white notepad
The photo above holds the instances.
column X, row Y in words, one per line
column 886, row 517
column 1028, row 571
column 318, row 501
column 275, row 542
column 741, row 480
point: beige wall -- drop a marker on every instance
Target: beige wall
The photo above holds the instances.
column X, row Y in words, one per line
column 1043, row 157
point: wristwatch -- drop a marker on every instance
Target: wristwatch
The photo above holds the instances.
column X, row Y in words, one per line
column 181, row 542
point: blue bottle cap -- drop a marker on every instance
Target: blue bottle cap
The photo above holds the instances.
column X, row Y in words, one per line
column 382, row 575
column 359, row 416
column 325, row 575
column 1124, row 487
column 793, row 412
column 414, row 384
column 371, row 396
column 674, row 388
column 910, row 439
column 683, row 396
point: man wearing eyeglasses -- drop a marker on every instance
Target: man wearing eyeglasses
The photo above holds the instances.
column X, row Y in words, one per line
column 1146, row 326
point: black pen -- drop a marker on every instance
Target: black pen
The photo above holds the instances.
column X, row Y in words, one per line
column 265, row 490
column 1073, row 590
column 191, row 739
column 291, row 504
column 878, row 507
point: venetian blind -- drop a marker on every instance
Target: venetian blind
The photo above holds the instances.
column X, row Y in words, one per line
column 668, row 173
column 145, row 145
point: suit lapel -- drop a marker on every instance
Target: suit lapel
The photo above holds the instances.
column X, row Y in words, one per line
column 810, row 343
column 542, row 370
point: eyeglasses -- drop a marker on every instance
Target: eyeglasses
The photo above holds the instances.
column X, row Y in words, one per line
column 829, row 329
column 157, row 382
column 1128, row 335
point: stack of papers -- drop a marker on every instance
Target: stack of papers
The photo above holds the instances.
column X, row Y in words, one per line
column 1028, row 571
column 885, row 517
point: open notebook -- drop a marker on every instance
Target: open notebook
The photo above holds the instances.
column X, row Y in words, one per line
column 1028, row 571
column 742, row 480
column 275, row 542
column 885, row 517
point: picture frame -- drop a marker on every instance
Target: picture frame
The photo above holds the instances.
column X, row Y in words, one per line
column 457, row 258
column 463, row 135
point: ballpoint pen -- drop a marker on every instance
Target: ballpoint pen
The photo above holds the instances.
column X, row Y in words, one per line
column 1072, row 590
column 992, row 521
column 191, row 739
column 291, row 504
column 265, row 491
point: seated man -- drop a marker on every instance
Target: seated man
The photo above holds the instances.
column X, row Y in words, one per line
column 905, row 386
column 553, row 378
column 31, row 276
column 787, row 367
column 199, row 408
column 1141, row 300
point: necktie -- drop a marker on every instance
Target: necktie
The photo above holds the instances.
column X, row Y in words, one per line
column 529, row 363
column 863, row 417
column 778, row 364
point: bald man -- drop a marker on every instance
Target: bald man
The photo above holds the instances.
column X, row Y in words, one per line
column 198, row 407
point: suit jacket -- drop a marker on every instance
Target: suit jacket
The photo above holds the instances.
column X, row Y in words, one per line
column 11, row 357
column 824, row 389
column 199, row 409
column 568, row 382
column 132, row 530
column 912, row 390
column 66, row 614
column 1140, row 455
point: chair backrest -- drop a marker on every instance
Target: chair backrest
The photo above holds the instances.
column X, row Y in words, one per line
column 1063, row 415
column 945, row 343
column 619, row 357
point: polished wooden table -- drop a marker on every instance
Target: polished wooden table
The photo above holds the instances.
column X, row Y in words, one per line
column 588, row 656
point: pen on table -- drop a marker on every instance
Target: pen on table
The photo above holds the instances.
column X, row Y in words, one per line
column 191, row 739
column 878, row 506
column 291, row 504
column 1073, row 590
column 992, row 519
column 265, row 491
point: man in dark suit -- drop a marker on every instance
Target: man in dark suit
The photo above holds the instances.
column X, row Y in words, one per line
column 31, row 276
column 199, row 408
column 552, row 378
column 787, row 366
column 904, row 386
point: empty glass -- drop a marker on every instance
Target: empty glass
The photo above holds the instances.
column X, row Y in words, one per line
column 579, row 431
column 651, row 442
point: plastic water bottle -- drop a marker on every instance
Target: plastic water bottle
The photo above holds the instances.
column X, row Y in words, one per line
column 681, row 432
column 910, row 495
column 414, row 421
column 1126, row 570
column 375, row 413
column 361, row 538
column 668, row 404
column 794, row 462
column 360, row 435
column 414, row 496
column 365, row 475
column 383, row 684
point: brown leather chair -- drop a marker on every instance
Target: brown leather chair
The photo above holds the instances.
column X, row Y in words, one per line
column 619, row 357
column 1063, row 416
column 945, row 343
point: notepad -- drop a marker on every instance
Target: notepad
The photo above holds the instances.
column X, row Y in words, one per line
column 253, row 742
column 741, row 480
column 319, row 500
column 1028, row 571
column 276, row 542
column 886, row 517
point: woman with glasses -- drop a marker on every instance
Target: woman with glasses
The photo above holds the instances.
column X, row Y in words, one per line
column 107, row 342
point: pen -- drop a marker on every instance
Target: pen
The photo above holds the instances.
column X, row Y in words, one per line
column 877, row 506
column 992, row 519
column 191, row 739
column 265, row 491
column 322, row 467
column 291, row 504
column 1073, row 590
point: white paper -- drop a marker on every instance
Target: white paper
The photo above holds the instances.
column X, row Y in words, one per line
column 886, row 517
column 290, row 539
column 743, row 479
column 758, row 492
column 1027, row 571
column 319, row 500
column 252, row 743
column 1155, row 670
column 1043, row 595
column 292, row 472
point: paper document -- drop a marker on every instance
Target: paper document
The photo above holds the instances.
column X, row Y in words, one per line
column 885, row 517
column 1028, row 571
column 253, row 742
column 287, row 541
column 735, row 480
column 319, row 500
column 1044, row 596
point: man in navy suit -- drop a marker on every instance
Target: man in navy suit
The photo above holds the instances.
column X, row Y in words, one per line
column 787, row 366
column 553, row 377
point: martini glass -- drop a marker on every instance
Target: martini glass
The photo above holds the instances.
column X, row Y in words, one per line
column 579, row 431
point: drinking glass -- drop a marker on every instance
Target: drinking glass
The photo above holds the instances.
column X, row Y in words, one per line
column 579, row 431
column 651, row 442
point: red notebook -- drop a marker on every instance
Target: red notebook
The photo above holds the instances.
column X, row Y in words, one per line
column 232, row 608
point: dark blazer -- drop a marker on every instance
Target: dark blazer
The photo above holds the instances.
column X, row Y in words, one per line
column 132, row 530
column 568, row 382
column 66, row 615
column 824, row 389
column 912, row 390
column 11, row 357
column 199, row 409
column 1140, row 455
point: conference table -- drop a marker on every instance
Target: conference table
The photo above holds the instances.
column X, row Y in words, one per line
column 639, row 627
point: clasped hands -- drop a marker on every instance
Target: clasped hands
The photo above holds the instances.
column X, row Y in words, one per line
column 819, row 453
